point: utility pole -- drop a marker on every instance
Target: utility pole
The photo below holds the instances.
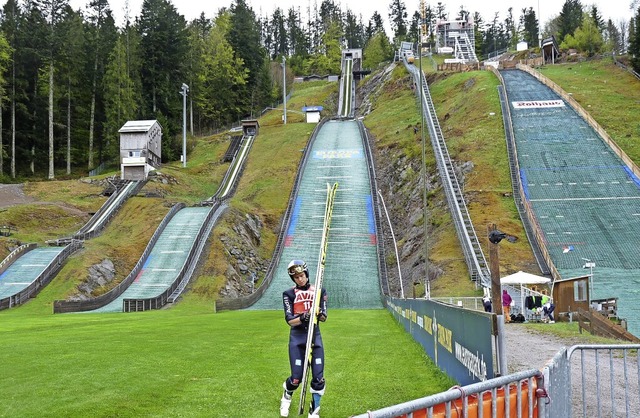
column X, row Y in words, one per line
column 284, row 88
column 427, row 282
column 184, row 91
column 494, row 269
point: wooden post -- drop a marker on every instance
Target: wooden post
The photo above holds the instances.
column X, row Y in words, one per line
column 494, row 269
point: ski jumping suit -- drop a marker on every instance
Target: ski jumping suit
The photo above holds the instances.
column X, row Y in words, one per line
column 296, row 301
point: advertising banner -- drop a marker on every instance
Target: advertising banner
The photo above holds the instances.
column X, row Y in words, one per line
column 459, row 341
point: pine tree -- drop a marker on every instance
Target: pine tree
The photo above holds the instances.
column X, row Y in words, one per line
column 530, row 27
column 377, row 50
column 353, row 31
column 72, row 63
column 634, row 41
column 101, row 29
column 398, row 20
column 9, row 26
column 54, row 12
column 5, row 58
column 478, row 34
column 613, row 38
column 570, row 18
column 597, row 18
column 221, row 78
column 163, row 47
column 120, row 99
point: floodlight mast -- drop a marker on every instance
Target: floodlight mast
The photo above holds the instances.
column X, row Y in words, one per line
column 184, row 90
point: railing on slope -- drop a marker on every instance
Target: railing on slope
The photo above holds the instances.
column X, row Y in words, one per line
column 15, row 254
column 63, row 306
column 346, row 89
column 43, row 278
column 597, row 324
column 246, row 301
column 474, row 257
column 229, row 182
column 185, row 273
column 624, row 67
column 100, row 221
column 382, row 266
column 104, row 215
column 224, row 192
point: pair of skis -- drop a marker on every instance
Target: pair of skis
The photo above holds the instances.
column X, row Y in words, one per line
column 315, row 304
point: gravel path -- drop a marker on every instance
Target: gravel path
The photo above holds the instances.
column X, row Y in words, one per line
column 529, row 349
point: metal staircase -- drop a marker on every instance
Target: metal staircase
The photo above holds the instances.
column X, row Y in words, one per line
column 464, row 50
column 474, row 257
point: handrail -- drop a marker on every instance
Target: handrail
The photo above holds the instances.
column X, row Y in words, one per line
column 63, row 306
column 183, row 276
column 43, row 278
column 15, row 254
column 472, row 250
column 383, row 280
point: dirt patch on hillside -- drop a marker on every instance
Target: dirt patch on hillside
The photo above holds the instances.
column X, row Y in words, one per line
column 13, row 194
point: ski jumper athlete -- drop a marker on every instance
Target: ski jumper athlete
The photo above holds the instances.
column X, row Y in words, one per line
column 297, row 304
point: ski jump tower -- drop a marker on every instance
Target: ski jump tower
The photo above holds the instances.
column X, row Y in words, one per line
column 456, row 37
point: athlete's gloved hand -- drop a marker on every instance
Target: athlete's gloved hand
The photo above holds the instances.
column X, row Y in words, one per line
column 304, row 318
column 322, row 317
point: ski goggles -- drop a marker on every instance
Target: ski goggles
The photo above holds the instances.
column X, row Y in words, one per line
column 296, row 269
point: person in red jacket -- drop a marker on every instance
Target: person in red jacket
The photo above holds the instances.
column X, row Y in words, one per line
column 297, row 303
column 506, row 305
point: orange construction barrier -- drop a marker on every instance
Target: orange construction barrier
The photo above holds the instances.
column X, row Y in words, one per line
column 439, row 411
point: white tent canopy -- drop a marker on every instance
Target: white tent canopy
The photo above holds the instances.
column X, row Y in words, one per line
column 523, row 278
column 519, row 282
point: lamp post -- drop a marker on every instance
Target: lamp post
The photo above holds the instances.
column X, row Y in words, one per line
column 423, row 167
column 184, row 91
column 284, row 88
column 589, row 265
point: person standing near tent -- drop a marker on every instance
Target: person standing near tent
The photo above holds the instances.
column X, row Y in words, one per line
column 486, row 300
column 506, row 305
column 297, row 302
column 547, row 308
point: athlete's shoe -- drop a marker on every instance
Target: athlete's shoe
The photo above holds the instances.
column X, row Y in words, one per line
column 285, row 404
column 315, row 413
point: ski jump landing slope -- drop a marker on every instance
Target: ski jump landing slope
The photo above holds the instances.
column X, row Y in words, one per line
column 166, row 259
column 585, row 199
column 351, row 270
column 26, row 269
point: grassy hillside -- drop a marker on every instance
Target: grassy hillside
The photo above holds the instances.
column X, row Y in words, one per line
column 188, row 361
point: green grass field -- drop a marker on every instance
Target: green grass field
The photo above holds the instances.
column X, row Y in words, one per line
column 190, row 362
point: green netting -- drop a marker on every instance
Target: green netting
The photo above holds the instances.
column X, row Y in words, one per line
column 586, row 201
column 351, row 268
column 166, row 258
column 26, row 269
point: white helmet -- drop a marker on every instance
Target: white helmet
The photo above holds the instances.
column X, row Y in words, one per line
column 297, row 266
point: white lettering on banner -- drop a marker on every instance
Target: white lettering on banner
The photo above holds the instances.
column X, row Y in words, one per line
column 420, row 322
column 537, row 104
column 472, row 362
column 340, row 153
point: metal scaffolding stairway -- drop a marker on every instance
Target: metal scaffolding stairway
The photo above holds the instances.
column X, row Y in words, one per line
column 464, row 49
column 474, row 257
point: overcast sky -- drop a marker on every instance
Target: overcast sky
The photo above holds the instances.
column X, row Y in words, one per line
column 546, row 9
